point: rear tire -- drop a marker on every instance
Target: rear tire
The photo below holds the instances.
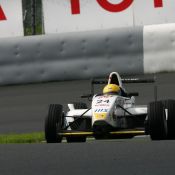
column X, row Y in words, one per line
column 170, row 106
column 54, row 123
column 157, row 121
column 74, row 139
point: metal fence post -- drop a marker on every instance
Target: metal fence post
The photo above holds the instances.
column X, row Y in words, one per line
column 33, row 11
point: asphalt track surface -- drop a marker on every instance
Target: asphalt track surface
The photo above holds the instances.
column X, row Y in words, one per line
column 23, row 109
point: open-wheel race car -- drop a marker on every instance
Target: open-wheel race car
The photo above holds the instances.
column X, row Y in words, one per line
column 112, row 114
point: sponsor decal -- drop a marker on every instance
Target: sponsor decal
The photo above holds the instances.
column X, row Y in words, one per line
column 100, row 116
column 102, row 101
column 105, row 96
column 101, row 110
column 2, row 14
column 102, row 105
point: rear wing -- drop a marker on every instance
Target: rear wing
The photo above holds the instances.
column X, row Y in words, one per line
column 125, row 80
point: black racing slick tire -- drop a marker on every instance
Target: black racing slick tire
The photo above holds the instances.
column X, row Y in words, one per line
column 170, row 107
column 74, row 139
column 157, row 121
column 54, row 123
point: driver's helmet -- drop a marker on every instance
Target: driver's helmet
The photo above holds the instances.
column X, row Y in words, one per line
column 111, row 88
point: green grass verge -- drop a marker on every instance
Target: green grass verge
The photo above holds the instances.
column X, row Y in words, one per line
column 22, row 138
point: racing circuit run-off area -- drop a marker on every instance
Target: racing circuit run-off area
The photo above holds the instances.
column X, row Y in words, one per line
column 110, row 7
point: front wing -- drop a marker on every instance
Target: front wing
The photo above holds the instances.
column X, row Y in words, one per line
column 133, row 132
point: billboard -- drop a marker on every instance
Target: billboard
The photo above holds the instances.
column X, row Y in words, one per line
column 84, row 15
column 11, row 20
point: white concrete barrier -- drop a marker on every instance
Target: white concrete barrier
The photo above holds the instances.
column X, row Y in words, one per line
column 159, row 48
column 70, row 56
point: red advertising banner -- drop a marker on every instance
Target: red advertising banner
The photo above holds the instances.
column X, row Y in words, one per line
column 62, row 16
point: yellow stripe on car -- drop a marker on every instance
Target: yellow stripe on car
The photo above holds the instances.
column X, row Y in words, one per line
column 134, row 132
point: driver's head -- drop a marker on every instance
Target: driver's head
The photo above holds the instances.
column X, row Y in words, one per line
column 111, row 88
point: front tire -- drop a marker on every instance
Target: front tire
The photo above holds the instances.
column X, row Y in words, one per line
column 157, row 121
column 54, row 123
column 170, row 107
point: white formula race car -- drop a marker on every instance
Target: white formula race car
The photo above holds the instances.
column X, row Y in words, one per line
column 113, row 114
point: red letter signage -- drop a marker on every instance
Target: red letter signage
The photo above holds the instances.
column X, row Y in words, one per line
column 2, row 15
column 75, row 5
column 115, row 7
column 158, row 3
column 105, row 4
